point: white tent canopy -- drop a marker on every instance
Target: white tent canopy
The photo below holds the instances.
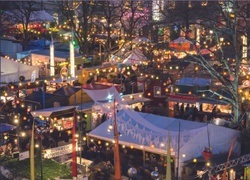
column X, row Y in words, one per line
column 11, row 71
column 102, row 93
column 142, row 129
column 181, row 40
column 136, row 57
column 150, row 133
column 41, row 16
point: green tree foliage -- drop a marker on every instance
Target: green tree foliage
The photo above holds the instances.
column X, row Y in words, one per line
column 51, row 168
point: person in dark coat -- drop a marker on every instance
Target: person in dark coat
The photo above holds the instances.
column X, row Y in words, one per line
column 55, row 135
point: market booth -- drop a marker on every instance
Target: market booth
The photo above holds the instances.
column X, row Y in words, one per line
column 104, row 96
column 61, row 118
column 204, row 105
column 149, row 133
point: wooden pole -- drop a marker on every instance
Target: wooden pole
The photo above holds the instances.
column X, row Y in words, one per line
column 74, row 165
column 32, row 150
column 178, row 154
column 117, row 162
column 168, row 170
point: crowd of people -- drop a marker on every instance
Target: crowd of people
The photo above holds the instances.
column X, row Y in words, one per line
column 193, row 113
column 189, row 112
column 103, row 162
column 50, row 138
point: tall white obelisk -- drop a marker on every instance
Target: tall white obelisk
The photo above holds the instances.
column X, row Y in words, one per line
column 52, row 59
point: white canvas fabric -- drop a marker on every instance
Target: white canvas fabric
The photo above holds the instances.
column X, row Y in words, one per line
column 150, row 132
column 102, row 93
column 136, row 57
column 12, row 70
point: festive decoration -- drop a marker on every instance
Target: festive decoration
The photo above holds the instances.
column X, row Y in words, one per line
column 207, row 153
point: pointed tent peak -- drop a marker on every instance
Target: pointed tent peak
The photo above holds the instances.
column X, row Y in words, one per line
column 180, row 40
column 41, row 16
column 136, row 56
column 67, row 90
column 102, row 92
column 183, row 44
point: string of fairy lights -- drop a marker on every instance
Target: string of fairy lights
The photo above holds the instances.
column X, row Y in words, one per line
column 160, row 54
column 244, row 73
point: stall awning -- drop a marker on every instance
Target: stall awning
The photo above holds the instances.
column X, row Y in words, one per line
column 212, row 101
column 181, row 98
column 55, row 111
column 6, row 127
column 139, row 100
column 101, row 92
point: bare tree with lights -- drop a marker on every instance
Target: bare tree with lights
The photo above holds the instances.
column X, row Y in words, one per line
column 109, row 22
column 20, row 12
column 133, row 16
column 79, row 18
column 222, row 33
column 4, row 24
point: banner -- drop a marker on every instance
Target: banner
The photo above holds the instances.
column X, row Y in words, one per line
column 24, row 155
column 58, row 151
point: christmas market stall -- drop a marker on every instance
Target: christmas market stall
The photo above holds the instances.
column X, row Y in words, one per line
column 149, row 133
column 104, row 96
column 135, row 57
column 60, row 119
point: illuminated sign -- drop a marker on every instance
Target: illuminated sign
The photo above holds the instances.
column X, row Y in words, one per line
column 64, row 73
